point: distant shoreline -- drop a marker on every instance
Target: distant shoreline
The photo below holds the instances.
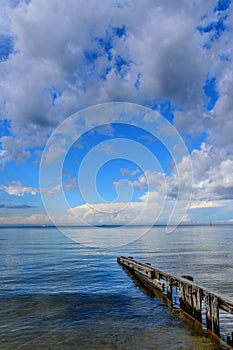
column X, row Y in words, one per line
column 109, row 226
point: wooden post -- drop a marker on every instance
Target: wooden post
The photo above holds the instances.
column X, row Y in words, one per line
column 169, row 288
column 191, row 295
column 208, row 308
column 181, row 295
column 186, row 297
column 157, row 275
column 215, row 308
column 187, row 289
column 199, row 297
column 197, row 303
column 190, row 300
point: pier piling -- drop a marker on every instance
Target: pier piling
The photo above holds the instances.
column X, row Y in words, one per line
column 191, row 295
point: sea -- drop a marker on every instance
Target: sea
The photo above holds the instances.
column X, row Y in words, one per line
column 62, row 294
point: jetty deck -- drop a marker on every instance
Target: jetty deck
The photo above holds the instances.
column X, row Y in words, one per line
column 193, row 299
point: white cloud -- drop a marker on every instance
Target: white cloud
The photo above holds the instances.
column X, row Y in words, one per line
column 147, row 211
column 117, row 213
column 204, row 204
column 127, row 172
column 212, row 174
column 68, row 56
column 84, row 58
column 3, row 157
column 34, row 219
column 152, row 180
column 221, row 118
column 71, row 184
column 16, row 188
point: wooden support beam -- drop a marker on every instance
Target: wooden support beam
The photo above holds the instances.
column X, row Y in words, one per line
column 215, row 310
column 188, row 277
column 186, row 297
column 157, row 275
column 197, row 296
column 208, row 307
column 190, row 306
column 191, row 295
column 226, row 304
column 181, row 295
column 169, row 287
column 158, row 284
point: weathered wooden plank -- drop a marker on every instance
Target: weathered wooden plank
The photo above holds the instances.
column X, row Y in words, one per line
column 189, row 300
column 186, row 298
column 143, row 268
column 194, row 300
column 191, row 295
column 208, row 307
column 225, row 304
column 169, row 287
column 181, row 295
column 197, row 303
column 158, row 284
column 188, row 277
column 215, row 311
column 157, row 274
column 151, row 282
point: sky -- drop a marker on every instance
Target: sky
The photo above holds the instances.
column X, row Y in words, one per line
column 116, row 112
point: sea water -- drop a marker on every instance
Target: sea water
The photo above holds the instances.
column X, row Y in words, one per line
column 58, row 294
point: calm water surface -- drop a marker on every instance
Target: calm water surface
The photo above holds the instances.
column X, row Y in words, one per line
column 57, row 294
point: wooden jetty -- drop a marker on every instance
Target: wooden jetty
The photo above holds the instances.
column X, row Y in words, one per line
column 192, row 297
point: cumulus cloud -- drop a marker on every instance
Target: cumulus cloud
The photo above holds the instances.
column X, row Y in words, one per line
column 16, row 188
column 146, row 211
column 13, row 150
column 212, row 175
column 212, row 180
column 221, row 117
column 67, row 56
column 150, row 180
column 60, row 57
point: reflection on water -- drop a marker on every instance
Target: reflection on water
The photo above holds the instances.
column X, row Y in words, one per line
column 95, row 322
column 56, row 294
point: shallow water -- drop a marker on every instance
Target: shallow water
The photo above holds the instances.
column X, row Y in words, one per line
column 57, row 294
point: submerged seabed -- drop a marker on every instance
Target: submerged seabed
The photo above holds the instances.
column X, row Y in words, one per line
column 57, row 294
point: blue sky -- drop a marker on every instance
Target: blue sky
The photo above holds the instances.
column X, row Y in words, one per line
column 176, row 59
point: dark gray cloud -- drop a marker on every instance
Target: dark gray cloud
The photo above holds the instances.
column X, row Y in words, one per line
column 16, row 206
column 13, row 149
